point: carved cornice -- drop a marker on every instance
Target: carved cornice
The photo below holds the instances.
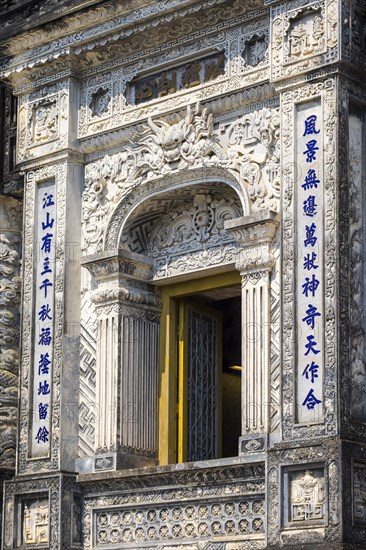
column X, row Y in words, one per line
column 118, row 263
column 255, row 234
column 121, row 278
column 88, row 30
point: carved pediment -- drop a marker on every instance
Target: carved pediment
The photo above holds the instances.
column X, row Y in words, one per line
column 246, row 149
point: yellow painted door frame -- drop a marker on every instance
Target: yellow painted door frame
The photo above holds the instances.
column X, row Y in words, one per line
column 169, row 355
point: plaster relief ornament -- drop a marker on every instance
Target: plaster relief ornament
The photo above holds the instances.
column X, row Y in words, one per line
column 306, row 35
column 247, row 148
column 99, row 103
column 307, row 497
column 35, row 523
column 10, row 285
column 359, row 493
column 254, row 152
column 255, row 51
column 45, row 121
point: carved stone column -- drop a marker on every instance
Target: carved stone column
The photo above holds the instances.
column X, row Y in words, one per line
column 10, row 253
column 255, row 261
column 128, row 313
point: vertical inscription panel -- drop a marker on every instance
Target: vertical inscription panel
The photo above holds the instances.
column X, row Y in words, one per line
column 309, row 222
column 43, row 318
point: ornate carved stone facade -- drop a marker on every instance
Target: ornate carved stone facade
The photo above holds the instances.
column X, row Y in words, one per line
column 182, row 278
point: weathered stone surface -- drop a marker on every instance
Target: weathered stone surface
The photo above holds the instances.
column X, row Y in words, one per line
column 174, row 153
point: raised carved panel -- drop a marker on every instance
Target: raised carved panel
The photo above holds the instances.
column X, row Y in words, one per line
column 160, row 524
column 307, row 496
column 304, row 37
column 359, row 493
column 35, row 525
column 43, row 121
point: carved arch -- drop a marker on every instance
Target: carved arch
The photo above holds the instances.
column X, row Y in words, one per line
column 179, row 180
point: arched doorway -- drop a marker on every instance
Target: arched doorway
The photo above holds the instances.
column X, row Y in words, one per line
column 182, row 231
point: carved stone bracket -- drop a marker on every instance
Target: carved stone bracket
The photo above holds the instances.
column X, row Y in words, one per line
column 127, row 309
column 254, row 261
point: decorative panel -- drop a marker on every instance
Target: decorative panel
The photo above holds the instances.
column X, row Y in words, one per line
column 179, row 523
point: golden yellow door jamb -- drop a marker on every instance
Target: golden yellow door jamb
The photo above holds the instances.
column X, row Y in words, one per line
column 168, row 383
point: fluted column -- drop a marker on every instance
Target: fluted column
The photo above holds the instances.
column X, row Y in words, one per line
column 254, row 262
column 128, row 313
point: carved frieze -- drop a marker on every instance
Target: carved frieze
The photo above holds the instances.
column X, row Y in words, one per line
column 227, row 510
column 241, row 58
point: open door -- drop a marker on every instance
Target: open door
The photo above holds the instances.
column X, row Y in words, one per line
column 199, row 372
